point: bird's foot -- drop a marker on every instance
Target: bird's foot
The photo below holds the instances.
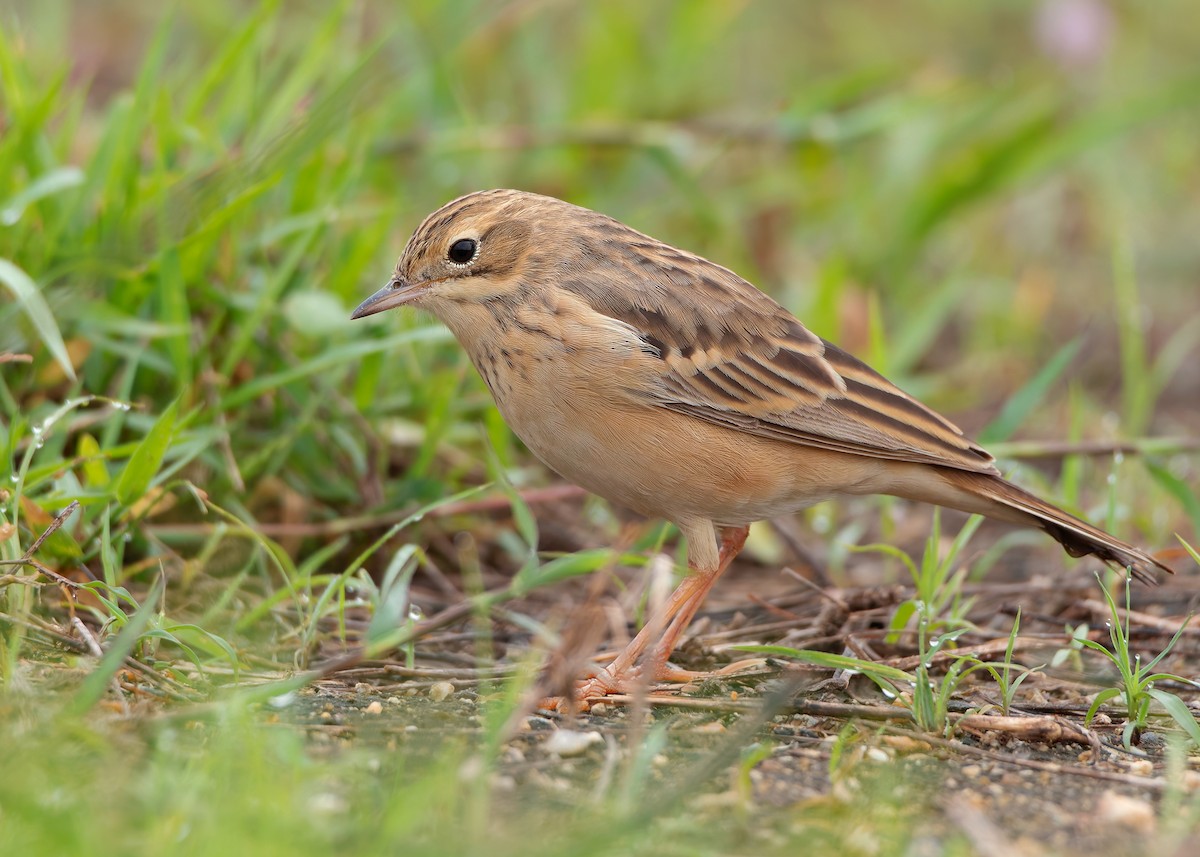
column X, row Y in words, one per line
column 604, row 683
column 632, row 682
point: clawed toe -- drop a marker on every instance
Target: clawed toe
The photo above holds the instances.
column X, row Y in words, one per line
column 589, row 691
column 603, row 684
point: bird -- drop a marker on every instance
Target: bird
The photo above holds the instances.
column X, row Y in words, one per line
column 668, row 385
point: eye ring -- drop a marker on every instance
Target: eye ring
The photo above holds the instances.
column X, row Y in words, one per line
column 462, row 252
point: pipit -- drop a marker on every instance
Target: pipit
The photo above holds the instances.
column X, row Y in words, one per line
column 671, row 386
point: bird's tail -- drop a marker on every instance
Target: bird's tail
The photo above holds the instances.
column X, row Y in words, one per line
column 1078, row 538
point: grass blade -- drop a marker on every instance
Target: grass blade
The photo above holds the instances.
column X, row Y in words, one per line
column 30, row 299
column 143, row 465
column 1026, row 400
column 94, row 686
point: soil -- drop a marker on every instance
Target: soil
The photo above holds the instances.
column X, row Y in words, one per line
column 824, row 746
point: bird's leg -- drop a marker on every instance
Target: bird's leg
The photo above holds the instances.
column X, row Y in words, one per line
column 733, row 539
column 665, row 628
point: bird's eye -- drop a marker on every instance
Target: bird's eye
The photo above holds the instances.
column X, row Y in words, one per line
column 462, row 251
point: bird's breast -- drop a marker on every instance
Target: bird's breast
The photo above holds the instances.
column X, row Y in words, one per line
column 573, row 388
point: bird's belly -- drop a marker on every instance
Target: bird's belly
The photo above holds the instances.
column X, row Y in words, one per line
column 663, row 464
column 572, row 406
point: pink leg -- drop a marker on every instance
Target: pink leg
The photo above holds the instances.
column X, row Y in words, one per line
column 665, row 628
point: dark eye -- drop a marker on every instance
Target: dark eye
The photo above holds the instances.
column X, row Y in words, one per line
column 462, row 251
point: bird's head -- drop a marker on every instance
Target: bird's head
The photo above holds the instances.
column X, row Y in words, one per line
column 477, row 248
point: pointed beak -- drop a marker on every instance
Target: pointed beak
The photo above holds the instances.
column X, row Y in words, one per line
column 396, row 293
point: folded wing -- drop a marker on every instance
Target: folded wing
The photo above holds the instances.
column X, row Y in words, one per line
column 734, row 357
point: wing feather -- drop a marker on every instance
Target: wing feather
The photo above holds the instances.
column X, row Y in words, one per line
column 732, row 356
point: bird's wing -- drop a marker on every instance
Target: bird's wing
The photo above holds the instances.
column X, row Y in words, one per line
column 732, row 356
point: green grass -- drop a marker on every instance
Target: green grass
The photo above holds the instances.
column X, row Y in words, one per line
column 192, row 200
column 1136, row 686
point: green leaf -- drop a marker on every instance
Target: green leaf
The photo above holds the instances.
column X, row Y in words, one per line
column 94, row 685
column 900, row 619
column 562, row 568
column 1101, row 698
column 30, row 299
column 174, row 311
column 60, row 547
column 1167, row 650
column 1098, row 647
column 1184, row 494
column 1023, row 402
column 888, row 550
column 392, row 607
column 1195, row 554
column 523, row 518
column 47, row 184
column 202, row 638
column 95, row 474
column 147, row 458
column 328, row 359
column 1179, row 712
column 831, row 661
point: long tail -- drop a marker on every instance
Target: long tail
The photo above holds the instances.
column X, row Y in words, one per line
column 1078, row 538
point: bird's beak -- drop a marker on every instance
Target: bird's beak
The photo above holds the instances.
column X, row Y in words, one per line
column 396, row 293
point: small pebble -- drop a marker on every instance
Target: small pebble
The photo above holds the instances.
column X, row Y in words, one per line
column 439, row 691
column 1142, row 767
column 1123, row 811
column 376, row 707
column 514, row 755
column 876, row 754
column 600, row 709
column 568, row 742
column 905, row 744
column 540, row 723
column 1151, row 741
